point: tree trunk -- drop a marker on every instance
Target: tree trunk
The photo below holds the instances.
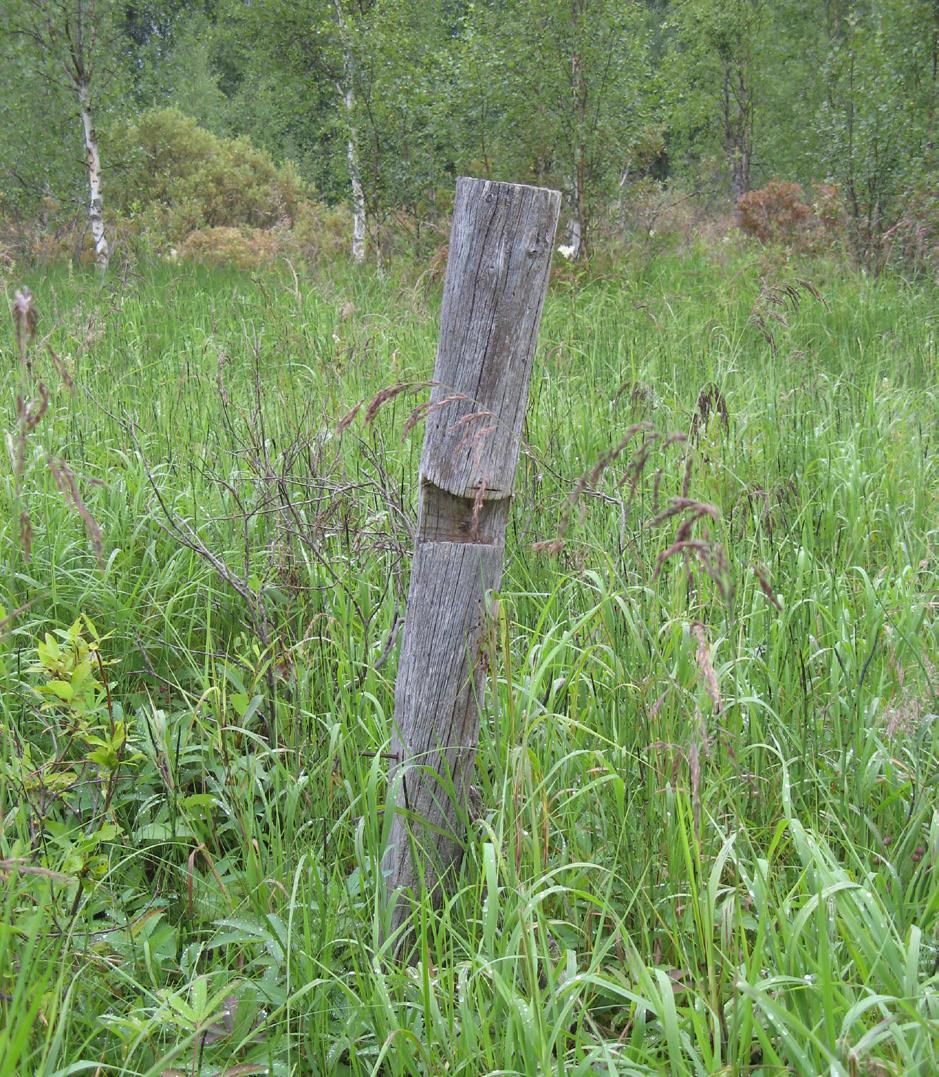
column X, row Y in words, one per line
column 355, row 180
column 347, row 94
column 93, row 160
column 934, row 83
column 497, row 276
column 738, row 129
column 740, row 171
column 579, row 223
column 579, row 236
column 574, row 245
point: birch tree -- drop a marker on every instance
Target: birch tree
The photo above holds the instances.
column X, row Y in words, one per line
column 572, row 96
column 71, row 44
column 877, row 122
column 345, row 87
column 321, row 43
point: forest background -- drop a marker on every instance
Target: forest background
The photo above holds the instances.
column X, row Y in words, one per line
column 308, row 124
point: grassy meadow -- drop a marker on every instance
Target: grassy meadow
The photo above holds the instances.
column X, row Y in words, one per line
column 707, row 831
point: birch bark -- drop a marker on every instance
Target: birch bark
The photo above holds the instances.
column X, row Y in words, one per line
column 346, row 89
column 93, row 164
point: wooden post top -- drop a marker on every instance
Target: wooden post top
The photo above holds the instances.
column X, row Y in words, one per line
column 500, row 255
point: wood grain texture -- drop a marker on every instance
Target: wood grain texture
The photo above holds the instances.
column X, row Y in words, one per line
column 436, row 713
column 497, row 276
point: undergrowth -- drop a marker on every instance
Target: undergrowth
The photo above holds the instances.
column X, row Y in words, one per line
column 707, row 832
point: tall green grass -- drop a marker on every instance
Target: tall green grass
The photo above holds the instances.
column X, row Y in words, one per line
column 662, row 878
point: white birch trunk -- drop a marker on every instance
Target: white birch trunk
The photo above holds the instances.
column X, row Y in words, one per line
column 574, row 241
column 347, row 93
column 355, row 179
column 93, row 160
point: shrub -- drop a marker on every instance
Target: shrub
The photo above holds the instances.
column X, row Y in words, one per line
column 777, row 213
column 179, row 178
column 319, row 231
column 53, row 232
column 243, row 248
column 828, row 206
column 910, row 243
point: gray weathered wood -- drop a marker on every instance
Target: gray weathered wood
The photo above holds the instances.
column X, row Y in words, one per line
column 497, row 276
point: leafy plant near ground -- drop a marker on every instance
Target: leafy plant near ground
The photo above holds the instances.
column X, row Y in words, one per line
column 707, row 834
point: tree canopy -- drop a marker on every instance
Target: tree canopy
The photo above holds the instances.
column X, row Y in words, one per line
column 381, row 103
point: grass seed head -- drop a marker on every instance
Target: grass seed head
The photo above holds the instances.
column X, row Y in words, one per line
column 25, row 320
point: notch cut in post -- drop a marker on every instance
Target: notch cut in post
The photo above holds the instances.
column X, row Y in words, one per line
column 497, row 276
column 445, row 517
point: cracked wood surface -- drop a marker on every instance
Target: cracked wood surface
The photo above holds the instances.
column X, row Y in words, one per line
column 497, row 277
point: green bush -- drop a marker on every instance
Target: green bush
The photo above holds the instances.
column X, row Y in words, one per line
column 177, row 178
column 319, row 231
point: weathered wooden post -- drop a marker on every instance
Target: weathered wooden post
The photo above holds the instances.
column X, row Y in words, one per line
column 497, row 275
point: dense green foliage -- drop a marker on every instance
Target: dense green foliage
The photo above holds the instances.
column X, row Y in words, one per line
column 708, row 98
column 189, row 178
column 707, row 838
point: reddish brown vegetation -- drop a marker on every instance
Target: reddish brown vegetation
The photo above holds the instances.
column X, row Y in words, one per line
column 777, row 213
